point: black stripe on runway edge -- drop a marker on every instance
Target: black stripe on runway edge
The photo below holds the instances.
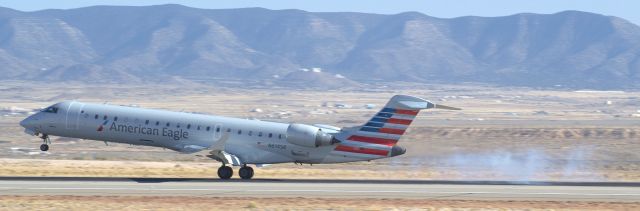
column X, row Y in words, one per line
column 345, row 181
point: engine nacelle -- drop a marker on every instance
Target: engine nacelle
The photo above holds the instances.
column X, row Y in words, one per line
column 309, row 136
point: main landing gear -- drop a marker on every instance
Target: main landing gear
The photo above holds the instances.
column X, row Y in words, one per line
column 246, row 172
column 225, row 172
column 45, row 143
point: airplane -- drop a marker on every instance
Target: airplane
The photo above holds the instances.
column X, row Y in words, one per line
column 232, row 141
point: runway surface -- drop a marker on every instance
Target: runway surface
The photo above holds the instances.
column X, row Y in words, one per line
column 418, row 189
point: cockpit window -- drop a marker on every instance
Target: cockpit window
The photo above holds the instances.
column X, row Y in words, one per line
column 51, row 109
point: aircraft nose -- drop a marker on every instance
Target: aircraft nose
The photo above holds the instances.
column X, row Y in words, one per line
column 27, row 122
column 23, row 123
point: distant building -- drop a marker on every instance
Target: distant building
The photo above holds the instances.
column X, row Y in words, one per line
column 342, row 105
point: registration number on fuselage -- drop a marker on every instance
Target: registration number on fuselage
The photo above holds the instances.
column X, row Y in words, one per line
column 277, row 146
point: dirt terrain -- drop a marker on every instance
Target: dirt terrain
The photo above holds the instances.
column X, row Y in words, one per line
column 233, row 203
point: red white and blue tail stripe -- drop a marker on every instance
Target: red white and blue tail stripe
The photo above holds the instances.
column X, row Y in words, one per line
column 390, row 121
column 380, row 134
column 378, row 137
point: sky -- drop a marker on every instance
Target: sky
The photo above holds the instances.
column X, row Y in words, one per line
column 627, row 9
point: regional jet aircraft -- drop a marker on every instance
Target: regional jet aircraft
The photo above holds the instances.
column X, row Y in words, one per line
column 231, row 141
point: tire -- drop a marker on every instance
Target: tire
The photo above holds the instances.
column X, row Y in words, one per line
column 225, row 172
column 246, row 172
column 251, row 170
column 44, row 147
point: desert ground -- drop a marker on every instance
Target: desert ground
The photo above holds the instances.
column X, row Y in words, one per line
column 502, row 133
column 234, row 203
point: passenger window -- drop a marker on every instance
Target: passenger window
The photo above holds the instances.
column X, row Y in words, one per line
column 228, row 130
column 168, row 124
column 157, row 123
column 259, row 134
column 239, row 132
column 189, row 126
column 82, row 112
column 96, row 116
column 178, row 125
column 279, row 136
column 146, row 122
column 198, row 127
column 105, row 117
column 115, row 118
column 270, row 135
column 208, row 128
column 250, row 133
column 218, row 129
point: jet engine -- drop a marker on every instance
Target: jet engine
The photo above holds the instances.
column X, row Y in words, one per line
column 309, row 136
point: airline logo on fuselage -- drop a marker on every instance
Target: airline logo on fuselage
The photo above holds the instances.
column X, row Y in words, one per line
column 101, row 127
column 139, row 129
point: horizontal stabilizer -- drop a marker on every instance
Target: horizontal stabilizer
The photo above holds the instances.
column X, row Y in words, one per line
column 447, row 107
column 424, row 105
column 416, row 104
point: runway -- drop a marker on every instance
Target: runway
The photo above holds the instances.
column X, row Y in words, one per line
column 416, row 189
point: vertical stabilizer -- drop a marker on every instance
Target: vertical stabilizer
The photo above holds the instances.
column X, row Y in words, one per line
column 379, row 136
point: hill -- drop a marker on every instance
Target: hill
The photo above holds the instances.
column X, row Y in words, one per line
column 157, row 43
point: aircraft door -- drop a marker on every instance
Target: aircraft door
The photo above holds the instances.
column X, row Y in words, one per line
column 73, row 115
column 217, row 133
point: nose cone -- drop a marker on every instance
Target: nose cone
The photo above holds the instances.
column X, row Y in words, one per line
column 23, row 123
column 27, row 122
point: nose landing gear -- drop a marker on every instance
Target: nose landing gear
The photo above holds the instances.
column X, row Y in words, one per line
column 45, row 142
column 44, row 147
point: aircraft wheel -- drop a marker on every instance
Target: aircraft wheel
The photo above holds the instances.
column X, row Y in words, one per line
column 246, row 172
column 44, row 147
column 225, row 172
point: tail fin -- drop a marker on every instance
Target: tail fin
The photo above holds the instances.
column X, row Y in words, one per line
column 381, row 133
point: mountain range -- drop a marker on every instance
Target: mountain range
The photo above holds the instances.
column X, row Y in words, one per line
column 127, row 44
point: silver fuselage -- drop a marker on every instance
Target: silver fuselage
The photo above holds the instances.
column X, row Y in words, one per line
column 252, row 141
